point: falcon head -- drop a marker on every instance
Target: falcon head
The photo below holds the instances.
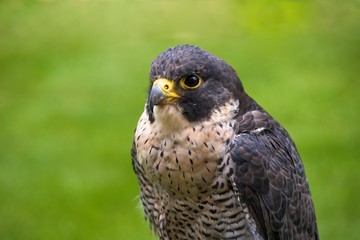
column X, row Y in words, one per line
column 189, row 85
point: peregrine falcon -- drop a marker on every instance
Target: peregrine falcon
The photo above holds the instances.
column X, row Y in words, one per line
column 213, row 164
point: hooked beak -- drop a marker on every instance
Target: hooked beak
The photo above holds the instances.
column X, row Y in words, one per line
column 162, row 92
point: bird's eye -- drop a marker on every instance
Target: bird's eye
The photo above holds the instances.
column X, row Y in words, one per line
column 191, row 82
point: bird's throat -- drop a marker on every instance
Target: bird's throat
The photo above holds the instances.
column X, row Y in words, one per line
column 169, row 118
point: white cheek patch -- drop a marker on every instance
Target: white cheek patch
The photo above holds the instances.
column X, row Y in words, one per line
column 169, row 118
column 226, row 112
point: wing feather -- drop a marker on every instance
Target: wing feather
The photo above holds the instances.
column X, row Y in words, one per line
column 271, row 181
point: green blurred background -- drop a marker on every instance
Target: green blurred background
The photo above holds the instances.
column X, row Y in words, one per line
column 73, row 81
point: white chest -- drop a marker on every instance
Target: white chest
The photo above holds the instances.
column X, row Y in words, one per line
column 184, row 162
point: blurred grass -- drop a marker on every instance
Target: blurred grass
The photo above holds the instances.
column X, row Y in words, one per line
column 73, row 80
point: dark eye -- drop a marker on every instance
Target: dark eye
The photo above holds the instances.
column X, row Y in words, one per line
column 191, row 82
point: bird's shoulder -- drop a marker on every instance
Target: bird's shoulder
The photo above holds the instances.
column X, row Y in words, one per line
column 269, row 177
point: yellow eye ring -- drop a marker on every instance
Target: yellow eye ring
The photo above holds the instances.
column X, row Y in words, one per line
column 191, row 81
